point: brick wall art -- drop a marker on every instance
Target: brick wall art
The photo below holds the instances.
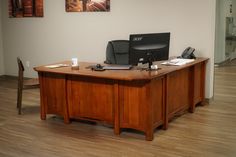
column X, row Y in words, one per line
column 87, row 5
column 25, row 8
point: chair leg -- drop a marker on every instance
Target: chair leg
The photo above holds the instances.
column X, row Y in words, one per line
column 19, row 100
column 18, row 97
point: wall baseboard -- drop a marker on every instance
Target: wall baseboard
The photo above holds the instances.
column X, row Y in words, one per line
column 222, row 63
column 8, row 77
column 12, row 77
column 209, row 100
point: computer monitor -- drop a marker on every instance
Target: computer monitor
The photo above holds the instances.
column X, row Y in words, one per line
column 146, row 48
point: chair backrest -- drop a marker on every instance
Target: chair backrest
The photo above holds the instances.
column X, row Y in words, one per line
column 20, row 65
column 117, row 52
column 20, row 72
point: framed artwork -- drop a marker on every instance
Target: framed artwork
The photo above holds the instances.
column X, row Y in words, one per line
column 25, row 8
column 87, row 5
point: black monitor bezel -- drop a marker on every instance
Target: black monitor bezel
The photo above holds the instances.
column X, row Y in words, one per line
column 155, row 54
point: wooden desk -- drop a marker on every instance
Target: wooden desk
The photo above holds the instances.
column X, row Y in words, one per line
column 141, row 100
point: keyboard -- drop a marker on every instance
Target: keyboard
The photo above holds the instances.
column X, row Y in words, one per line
column 117, row 67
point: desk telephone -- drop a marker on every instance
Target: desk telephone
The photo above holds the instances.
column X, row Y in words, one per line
column 188, row 53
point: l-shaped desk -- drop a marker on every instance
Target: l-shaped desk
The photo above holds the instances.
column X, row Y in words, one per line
column 137, row 99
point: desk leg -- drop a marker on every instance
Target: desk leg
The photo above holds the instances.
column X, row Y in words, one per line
column 166, row 122
column 149, row 113
column 149, row 129
column 192, row 108
column 198, row 75
column 117, row 109
column 42, row 110
column 66, row 114
column 66, row 120
column 192, row 105
column 166, row 117
column 66, row 108
column 149, row 135
column 43, row 116
column 166, row 103
column 203, row 76
column 191, row 89
column 42, row 105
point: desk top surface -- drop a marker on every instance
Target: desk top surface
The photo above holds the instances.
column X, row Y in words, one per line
column 132, row 74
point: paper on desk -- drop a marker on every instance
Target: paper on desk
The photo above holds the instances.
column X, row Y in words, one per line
column 178, row 61
column 56, row 66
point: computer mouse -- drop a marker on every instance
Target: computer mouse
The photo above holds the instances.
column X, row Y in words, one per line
column 99, row 66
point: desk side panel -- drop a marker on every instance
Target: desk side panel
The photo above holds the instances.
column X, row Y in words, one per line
column 178, row 91
column 53, row 94
column 91, row 98
column 141, row 104
column 158, row 100
column 133, row 98
column 199, row 82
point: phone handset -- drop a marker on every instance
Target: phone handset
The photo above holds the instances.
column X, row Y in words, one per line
column 188, row 53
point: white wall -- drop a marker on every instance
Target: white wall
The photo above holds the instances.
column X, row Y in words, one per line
column 1, row 45
column 60, row 35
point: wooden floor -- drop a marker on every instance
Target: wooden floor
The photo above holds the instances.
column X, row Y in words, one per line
column 209, row 132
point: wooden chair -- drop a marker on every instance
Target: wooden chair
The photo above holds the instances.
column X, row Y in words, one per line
column 23, row 84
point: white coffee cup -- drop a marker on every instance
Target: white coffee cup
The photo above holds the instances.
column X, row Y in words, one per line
column 74, row 62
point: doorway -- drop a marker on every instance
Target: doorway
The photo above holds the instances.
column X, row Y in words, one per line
column 225, row 43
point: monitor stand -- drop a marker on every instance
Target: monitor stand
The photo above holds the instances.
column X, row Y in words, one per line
column 151, row 67
column 149, row 61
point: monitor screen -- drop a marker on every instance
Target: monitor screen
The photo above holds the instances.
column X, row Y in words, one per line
column 146, row 48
